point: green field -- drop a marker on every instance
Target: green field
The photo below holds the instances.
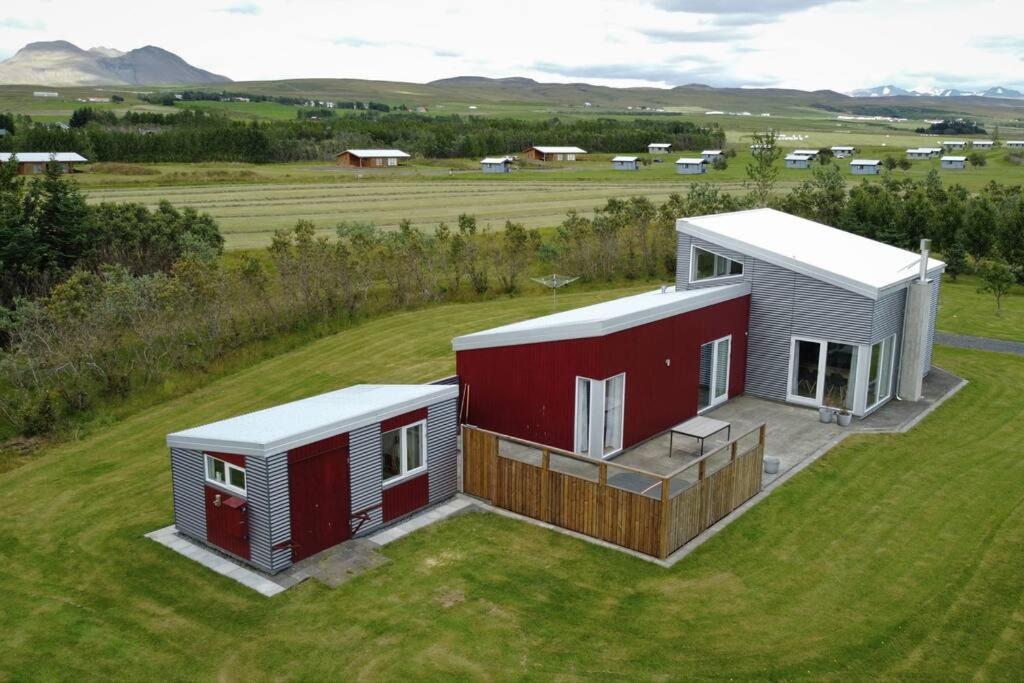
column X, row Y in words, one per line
column 895, row 556
column 963, row 310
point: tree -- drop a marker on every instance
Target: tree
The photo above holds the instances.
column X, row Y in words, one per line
column 980, row 225
column 763, row 171
column 7, row 123
column 904, row 164
column 890, row 162
column 956, row 258
column 825, row 156
column 977, row 159
column 517, row 246
column 998, row 278
column 1010, row 239
column 720, row 164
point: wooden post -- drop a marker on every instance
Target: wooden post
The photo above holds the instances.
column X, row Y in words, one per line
column 603, row 523
column 663, row 530
column 732, row 451
column 492, row 466
column 545, row 485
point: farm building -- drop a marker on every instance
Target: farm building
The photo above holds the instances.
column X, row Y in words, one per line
column 691, row 165
column 1015, row 144
column 32, row 163
column 954, row 162
column 496, row 165
column 918, row 153
column 812, row 153
column 711, row 155
column 278, row 485
column 982, row 144
column 626, row 163
column 765, row 303
column 842, row 151
column 865, row 167
column 371, row 158
column 554, row 153
column 954, row 144
column 659, row 147
column 795, row 160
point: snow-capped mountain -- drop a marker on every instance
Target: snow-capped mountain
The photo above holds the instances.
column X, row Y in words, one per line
column 894, row 91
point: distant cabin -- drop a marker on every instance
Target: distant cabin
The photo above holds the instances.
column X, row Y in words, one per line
column 711, row 155
column 626, row 163
column 933, row 152
column 1015, row 144
column 919, row 154
column 842, row 151
column 812, row 153
column 865, row 167
column 982, row 144
column 371, row 158
column 795, row 160
column 691, row 165
column 496, row 165
column 32, row 163
column 543, row 153
column 954, row 144
column 659, row 147
column 954, row 162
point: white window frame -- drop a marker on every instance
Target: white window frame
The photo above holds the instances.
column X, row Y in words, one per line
column 712, row 402
column 226, row 484
column 622, row 415
column 595, row 422
column 713, row 278
column 867, row 372
column 404, row 460
column 860, row 390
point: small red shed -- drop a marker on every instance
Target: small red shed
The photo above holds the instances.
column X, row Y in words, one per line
column 598, row 379
column 278, row 485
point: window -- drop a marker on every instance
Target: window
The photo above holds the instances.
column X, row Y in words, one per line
column 706, row 265
column 600, row 415
column 225, row 475
column 880, row 371
column 582, row 415
column 403, row 451
column 614, row 401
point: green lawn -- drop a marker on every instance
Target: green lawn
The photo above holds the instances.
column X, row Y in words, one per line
column 964, row 310
column 892, row 557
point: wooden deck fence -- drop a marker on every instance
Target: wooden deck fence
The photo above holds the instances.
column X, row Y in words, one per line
column 656, row 522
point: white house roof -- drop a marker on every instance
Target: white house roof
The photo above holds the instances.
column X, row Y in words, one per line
column 1015, row 142
column 711, row 151
column 919, row 150
column 36, row 157
column 797, row 157
column 842, row 148
column 954, row 158
column 954, row 142
column 496, row 160
column 601, row 319
column 559, row 150
column 691, row 160
column 865, row 162
column 386, row 153
column 666, row 145
column 288, row 426
column 982, row 142
column 806, row 152
column 625, row 158
column 841, row 258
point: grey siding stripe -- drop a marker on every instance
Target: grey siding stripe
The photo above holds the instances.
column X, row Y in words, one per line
column 258, row 497
column 936, row 288
column 187, row 486
column 365, row 471
column 442, row 449
column 449, row 380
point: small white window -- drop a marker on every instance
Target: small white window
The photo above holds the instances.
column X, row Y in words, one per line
column 404, row 451
column 706, row 265
column 225, row 475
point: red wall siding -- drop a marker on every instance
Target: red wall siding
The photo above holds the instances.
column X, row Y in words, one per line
column 227, row 527
column 319, row 490
column 529, row 390
column 403, row 419
column 238, row 460
column 403, row 498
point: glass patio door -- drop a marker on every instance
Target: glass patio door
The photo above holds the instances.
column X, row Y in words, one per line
column 713, row 374
column 823, row 373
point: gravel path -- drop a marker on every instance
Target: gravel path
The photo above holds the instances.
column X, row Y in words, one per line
column 984, row 343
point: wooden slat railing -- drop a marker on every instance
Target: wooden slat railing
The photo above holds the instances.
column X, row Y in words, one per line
column 654, row 522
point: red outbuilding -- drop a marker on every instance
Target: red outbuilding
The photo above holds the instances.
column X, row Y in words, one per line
column 598, row 379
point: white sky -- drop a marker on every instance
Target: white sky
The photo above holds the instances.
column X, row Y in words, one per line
column 807, row 44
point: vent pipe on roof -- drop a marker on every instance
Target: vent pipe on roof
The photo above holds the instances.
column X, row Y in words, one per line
column 925, row 247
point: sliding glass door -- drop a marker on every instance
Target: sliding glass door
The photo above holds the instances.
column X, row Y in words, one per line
column 823, row 373
column 880, row 372
column 600, row 416
column 713, row 373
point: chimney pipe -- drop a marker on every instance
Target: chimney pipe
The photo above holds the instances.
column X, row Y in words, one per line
column 925, row 246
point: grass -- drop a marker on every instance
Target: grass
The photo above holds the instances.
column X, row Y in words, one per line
column 894, row 557
column 963, row 310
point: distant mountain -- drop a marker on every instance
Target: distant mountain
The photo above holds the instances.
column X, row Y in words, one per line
column 893, row 91
column 60, row 63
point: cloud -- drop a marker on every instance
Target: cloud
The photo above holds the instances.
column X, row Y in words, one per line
column 690, row 69
column 756, row 7
column 1004, row 42
column 446, row 53
column 352, row 41
column 247, row 8
column 697, row 36
column 22, row 25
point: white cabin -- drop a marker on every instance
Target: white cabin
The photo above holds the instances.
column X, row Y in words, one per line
column 954, row 162
column 691, row 165
column 659, row 147
column 982, row 144
column 626, row 163
column 496, row 165
column 842, row 151
column 711, row 155
column 865, row 167
column 795, row 160
column 954, row 144
column 918, row 153
column 1015, row 144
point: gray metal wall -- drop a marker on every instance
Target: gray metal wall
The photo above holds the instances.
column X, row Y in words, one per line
column 188, row 481
column 365, row 471
column 936, row 277
column 266, row 486
column 443, row 449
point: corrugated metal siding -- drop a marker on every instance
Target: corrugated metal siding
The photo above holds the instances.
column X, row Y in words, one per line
column 936, row 286
column 365, row 471
column 187, row 486
column 826, row 311
column 443, row 449
column 771, row 326
column 269, row 521
column 889, row 312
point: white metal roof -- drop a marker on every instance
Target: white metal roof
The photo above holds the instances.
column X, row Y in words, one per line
column 35, row 157
column 919, row 150
column 660, row 144
column 496, row 160
column 393, row 153
column 625, row 158
column 559, row 150
column 954, row 158
column 797, row 157
column 841, row 148
column 1015, row 142
column 981, row 142
column 841, row 258
column 954, row 142
column 865, row 162
column 287, row 426
column 806, row 152
column 601, row 319
column 691, row 160
column 711, row 151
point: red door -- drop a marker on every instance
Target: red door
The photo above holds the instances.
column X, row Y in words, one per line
column 227, row 522
column 319, row 489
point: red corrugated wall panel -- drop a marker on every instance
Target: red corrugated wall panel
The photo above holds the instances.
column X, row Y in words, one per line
column 403, row 498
